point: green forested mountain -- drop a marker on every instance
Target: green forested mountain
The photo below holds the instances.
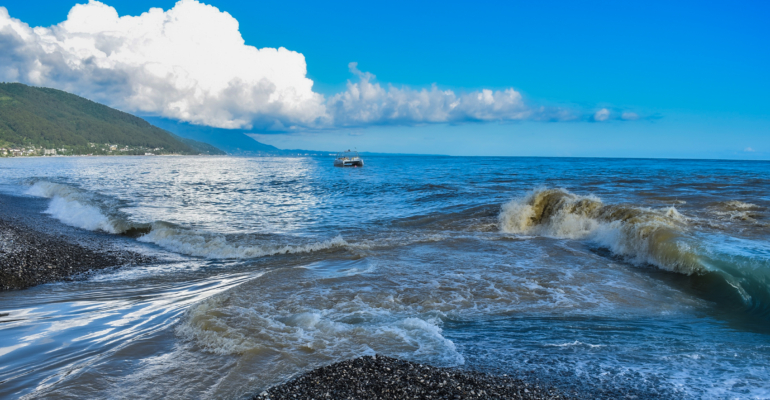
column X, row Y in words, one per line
column 50, row 118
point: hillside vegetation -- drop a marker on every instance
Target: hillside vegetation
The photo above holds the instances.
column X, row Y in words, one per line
column 54, row 119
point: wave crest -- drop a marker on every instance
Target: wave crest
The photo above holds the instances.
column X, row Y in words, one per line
column 217, row 246
column 644, row 235
column 81, row 209
column 90, row 211
column 660, row 237
column 735, row 210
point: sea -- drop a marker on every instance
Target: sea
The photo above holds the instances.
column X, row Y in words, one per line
column 605, row 278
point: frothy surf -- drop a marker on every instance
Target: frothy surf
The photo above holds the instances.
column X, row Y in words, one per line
column 80, row 208
column 643, row 236
column 735, row 210
column 279, row 333
column 402, row 267
column 90, row 211
column 217, row 246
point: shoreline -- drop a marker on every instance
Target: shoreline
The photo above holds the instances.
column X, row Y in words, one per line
column 33, row 251
column 110, row 155
column 381, row 377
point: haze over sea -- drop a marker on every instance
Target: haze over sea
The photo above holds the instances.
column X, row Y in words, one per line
column 647, row 276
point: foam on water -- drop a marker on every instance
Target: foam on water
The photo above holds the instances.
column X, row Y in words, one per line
column 400, row 301
column 279, row 333
column 217, row 246
column 223, row 326
column 75, row 207
column 411, row 257
column 86, row 210
column 644, row 236
column 735, row 210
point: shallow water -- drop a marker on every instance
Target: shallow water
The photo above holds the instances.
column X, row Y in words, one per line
column 644, row 277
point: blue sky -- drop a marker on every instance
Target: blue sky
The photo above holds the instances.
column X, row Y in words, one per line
column 695, row 72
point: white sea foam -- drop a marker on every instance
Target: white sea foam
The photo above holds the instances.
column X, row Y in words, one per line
column 75, row 213
column 224, row 325
column 740, row 205
column 74, row 207
column 84, row 210
column 735, row 210
column 576, row 343
column 643, row 235
column 309, row 314
column 217, row 246
column 136, row 272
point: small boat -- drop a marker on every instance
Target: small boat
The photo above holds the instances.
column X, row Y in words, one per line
column 348, row 159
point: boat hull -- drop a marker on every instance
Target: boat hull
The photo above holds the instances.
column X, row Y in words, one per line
column 349, row 163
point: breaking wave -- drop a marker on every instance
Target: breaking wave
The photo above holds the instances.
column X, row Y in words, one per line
column 644, row 235
column 82, row 209
column 659, row 237
column 87, row 210
column 218, row 246
column 735, row 210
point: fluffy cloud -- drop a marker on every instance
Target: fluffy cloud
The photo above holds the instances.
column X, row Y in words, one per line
column 190, row 63
column 367, row 102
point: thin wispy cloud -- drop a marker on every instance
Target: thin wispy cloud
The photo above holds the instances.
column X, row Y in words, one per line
column 190, row 63
column 601, row 115
column 629, row 116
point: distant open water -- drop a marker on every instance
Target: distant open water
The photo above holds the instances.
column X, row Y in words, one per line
column 643, row 277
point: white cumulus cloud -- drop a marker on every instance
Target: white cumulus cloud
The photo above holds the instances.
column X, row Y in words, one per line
column 190, row 63
column 368, row 102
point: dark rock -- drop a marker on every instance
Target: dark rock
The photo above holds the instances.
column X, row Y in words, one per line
column 379, row 377
column 29, row 257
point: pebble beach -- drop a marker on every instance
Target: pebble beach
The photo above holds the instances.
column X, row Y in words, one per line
column 29, row 256
column 379, row 377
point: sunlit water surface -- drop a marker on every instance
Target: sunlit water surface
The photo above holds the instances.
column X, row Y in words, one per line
column 651, row 277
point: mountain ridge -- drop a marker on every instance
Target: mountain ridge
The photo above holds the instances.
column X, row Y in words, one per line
column 54, row 119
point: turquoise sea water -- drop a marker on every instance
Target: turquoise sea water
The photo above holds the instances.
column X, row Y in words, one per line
column 649, row 278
